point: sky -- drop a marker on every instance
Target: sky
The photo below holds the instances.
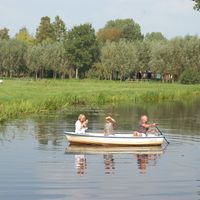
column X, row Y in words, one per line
column 171, row 17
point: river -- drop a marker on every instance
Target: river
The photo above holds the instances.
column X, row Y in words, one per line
column 37, row 163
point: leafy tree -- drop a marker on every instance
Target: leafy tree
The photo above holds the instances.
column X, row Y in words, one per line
column 117, row 60
column 4, row 34
column 59, row 29
column 34, row 59
column 143, row 55
column 45, row 30
column 109, row 34
column 24, row 35
column 81, row 47
column 130, row 30
column 155, row 36
column 197, row 4
column 190, row 76
column 54, row 58
column 12, row 57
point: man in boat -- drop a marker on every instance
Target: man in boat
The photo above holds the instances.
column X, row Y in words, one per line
column 108, row 129
column 144, row 126
column 81, row 124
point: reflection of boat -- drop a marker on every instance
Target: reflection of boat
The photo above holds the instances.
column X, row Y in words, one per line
column 117, row 139
column 89, row 149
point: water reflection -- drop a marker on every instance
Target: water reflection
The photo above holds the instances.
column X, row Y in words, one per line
column 145, row 160
column 145, row 156
column 80, row 164
column 109, row 164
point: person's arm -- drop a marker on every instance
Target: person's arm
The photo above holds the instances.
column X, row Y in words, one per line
column 149, row 125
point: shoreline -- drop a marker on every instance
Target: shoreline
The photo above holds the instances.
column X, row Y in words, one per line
column 24, row 97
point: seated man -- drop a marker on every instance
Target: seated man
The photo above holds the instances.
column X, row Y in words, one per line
column 143, row 126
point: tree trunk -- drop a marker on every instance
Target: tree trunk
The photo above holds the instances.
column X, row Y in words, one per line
column 36, row 75
column 54, row 75
column 76, row 73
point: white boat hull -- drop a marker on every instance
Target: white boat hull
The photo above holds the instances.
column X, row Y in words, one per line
column 117, row 139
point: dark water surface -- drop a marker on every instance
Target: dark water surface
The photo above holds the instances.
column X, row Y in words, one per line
column 36, row 162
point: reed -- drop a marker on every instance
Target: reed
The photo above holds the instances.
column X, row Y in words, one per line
column 20, row 97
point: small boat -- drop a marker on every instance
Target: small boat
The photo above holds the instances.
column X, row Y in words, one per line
column 116, row 139
column 93, row 149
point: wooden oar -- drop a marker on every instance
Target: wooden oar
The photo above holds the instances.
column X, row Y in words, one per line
column 162, row 135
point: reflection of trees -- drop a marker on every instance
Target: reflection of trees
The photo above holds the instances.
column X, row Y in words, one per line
column 80, row 164
column 144, row 160
column 109, row 163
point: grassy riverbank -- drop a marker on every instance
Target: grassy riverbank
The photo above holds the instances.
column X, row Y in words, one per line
column 19, row 97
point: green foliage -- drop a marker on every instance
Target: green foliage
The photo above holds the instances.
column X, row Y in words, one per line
column 82, row 47
column 197, row 5
column 12, row 57
column 130, row 30
column 155, row 36
column 4, row 34
column 59, row 29
column 118, row 60
column 45, row 30
column 190, row 76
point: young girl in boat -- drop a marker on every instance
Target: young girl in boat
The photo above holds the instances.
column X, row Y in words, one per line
column 144, row 126
column 108, row 129
column 81, row 124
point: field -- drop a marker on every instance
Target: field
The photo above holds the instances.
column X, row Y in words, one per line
column 20, row 97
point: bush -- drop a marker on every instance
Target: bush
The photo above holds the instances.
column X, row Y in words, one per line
column 190, row 76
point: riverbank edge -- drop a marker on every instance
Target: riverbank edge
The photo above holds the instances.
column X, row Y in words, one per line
column 24, row 97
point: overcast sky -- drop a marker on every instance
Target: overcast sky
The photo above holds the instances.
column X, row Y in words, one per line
column 171, row 17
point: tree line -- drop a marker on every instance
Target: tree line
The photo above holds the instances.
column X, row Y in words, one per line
column 116, row 52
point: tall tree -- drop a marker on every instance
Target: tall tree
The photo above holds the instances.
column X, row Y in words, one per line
column 59, row 29
column 130, row 29
column 4, row 34
column 24, row 36
column 82, row 47
column 45, row 30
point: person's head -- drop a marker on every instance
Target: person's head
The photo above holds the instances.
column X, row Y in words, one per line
column 109, row 119
column 81, row 118
column 144, row 119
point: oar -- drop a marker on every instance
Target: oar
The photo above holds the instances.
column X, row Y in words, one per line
column 162, row 135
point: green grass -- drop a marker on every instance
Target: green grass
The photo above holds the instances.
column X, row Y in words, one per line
column 20, row 97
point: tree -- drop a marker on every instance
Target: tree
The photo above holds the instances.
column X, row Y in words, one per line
column 24, row 36
column 155, row 36
column 12, row 57
column 54, row 58
column 118, row 60
column 59, row 29
column 4, row 34
column 197, row 4
column 143, row 55
column 34, row 58
column 130, row 30
column 109, row 34
column 45, row 30
column 81, row 47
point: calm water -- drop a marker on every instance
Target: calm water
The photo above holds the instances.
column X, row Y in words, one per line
column 36, row 162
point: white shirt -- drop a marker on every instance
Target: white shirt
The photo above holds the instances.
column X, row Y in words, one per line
column 79, row 128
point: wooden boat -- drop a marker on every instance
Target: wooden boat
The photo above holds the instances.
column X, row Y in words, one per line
column 94, row 149
column 116, row 139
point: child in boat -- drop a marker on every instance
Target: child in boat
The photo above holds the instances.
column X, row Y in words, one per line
column 144, row 126
column 81, row 124
column 108, row 129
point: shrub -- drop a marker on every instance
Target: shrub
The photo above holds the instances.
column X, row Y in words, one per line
column 190, row 76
